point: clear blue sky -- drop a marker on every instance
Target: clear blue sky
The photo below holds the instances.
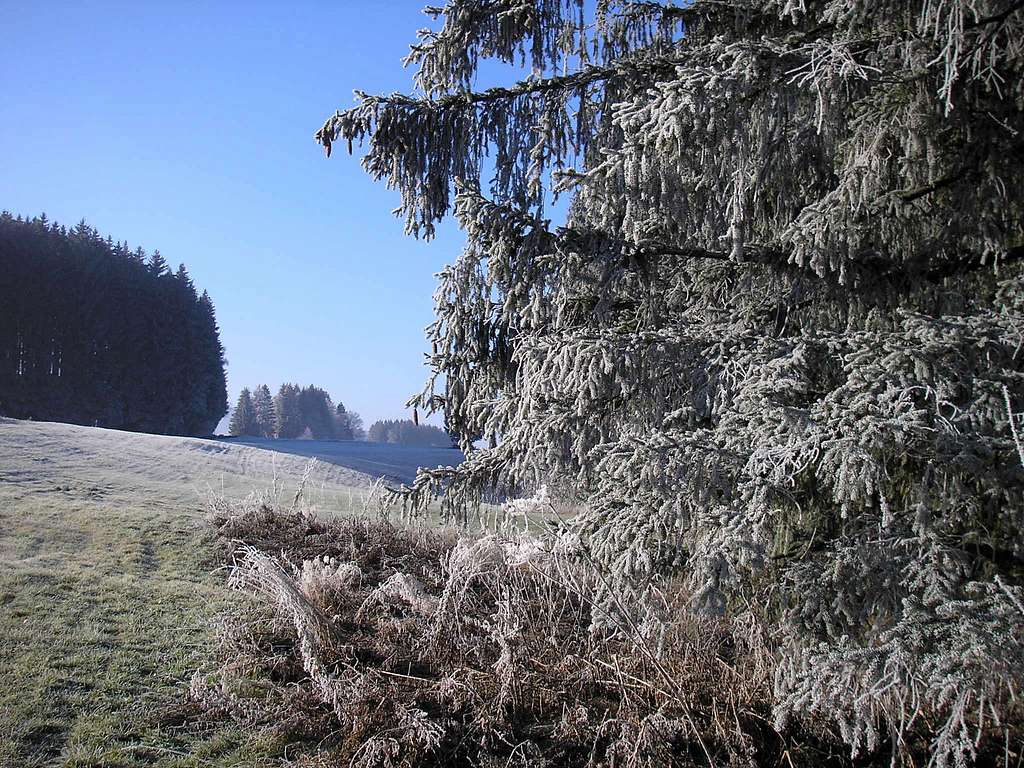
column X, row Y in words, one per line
column 188, row 128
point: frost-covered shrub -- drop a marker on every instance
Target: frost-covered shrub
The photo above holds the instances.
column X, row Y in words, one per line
column 777, row 347
column 409, row 647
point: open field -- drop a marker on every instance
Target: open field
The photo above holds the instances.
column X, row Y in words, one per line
column 107, row 595
column 396, row 463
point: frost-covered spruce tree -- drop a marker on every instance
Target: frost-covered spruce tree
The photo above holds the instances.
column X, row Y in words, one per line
column 777, row 345
column 263, row 407
column 244, row 417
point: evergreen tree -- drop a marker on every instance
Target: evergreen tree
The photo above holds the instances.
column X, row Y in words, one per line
column 158, row 264
column 185, row 279
column 266, row 416
column 286, row 409
column 213, row 383
column 774, row 348
column 181, row 396
column 243, row 417
column 317, row 412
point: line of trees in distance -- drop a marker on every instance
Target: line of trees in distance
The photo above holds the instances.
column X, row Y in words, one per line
column 92, row 332
column 295, row 412
column 407, row 432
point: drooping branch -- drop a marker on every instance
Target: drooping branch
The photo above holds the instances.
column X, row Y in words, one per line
column 351, row 124
column 997, row 18
column 600, row 244
column 966, row 265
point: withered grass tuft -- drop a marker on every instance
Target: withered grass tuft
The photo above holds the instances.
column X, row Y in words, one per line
column 378, row 645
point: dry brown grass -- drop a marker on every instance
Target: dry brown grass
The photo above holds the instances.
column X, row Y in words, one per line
column 369, row 645
column 383, row 646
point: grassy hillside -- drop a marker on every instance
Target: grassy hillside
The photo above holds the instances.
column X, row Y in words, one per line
column 396, row 463
column 106, row 595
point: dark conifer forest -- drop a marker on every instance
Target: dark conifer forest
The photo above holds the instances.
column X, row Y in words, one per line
column 94, row 333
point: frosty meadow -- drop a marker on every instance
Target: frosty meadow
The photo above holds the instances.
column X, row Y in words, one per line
column 737, row 335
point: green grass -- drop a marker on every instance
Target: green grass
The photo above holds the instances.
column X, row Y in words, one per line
column 105, row 614
column 108, row 599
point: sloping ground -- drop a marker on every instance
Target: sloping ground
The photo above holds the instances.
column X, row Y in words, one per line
column 396, row 463
column 106, row 594
column 178, row 469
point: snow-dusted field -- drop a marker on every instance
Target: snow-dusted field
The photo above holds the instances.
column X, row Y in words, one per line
column 43, row 457
column 397, row 463
column 107, row 590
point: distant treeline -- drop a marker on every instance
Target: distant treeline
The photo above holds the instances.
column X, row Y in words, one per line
column 294, row 412
column 94, row 333
column 406, row 432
